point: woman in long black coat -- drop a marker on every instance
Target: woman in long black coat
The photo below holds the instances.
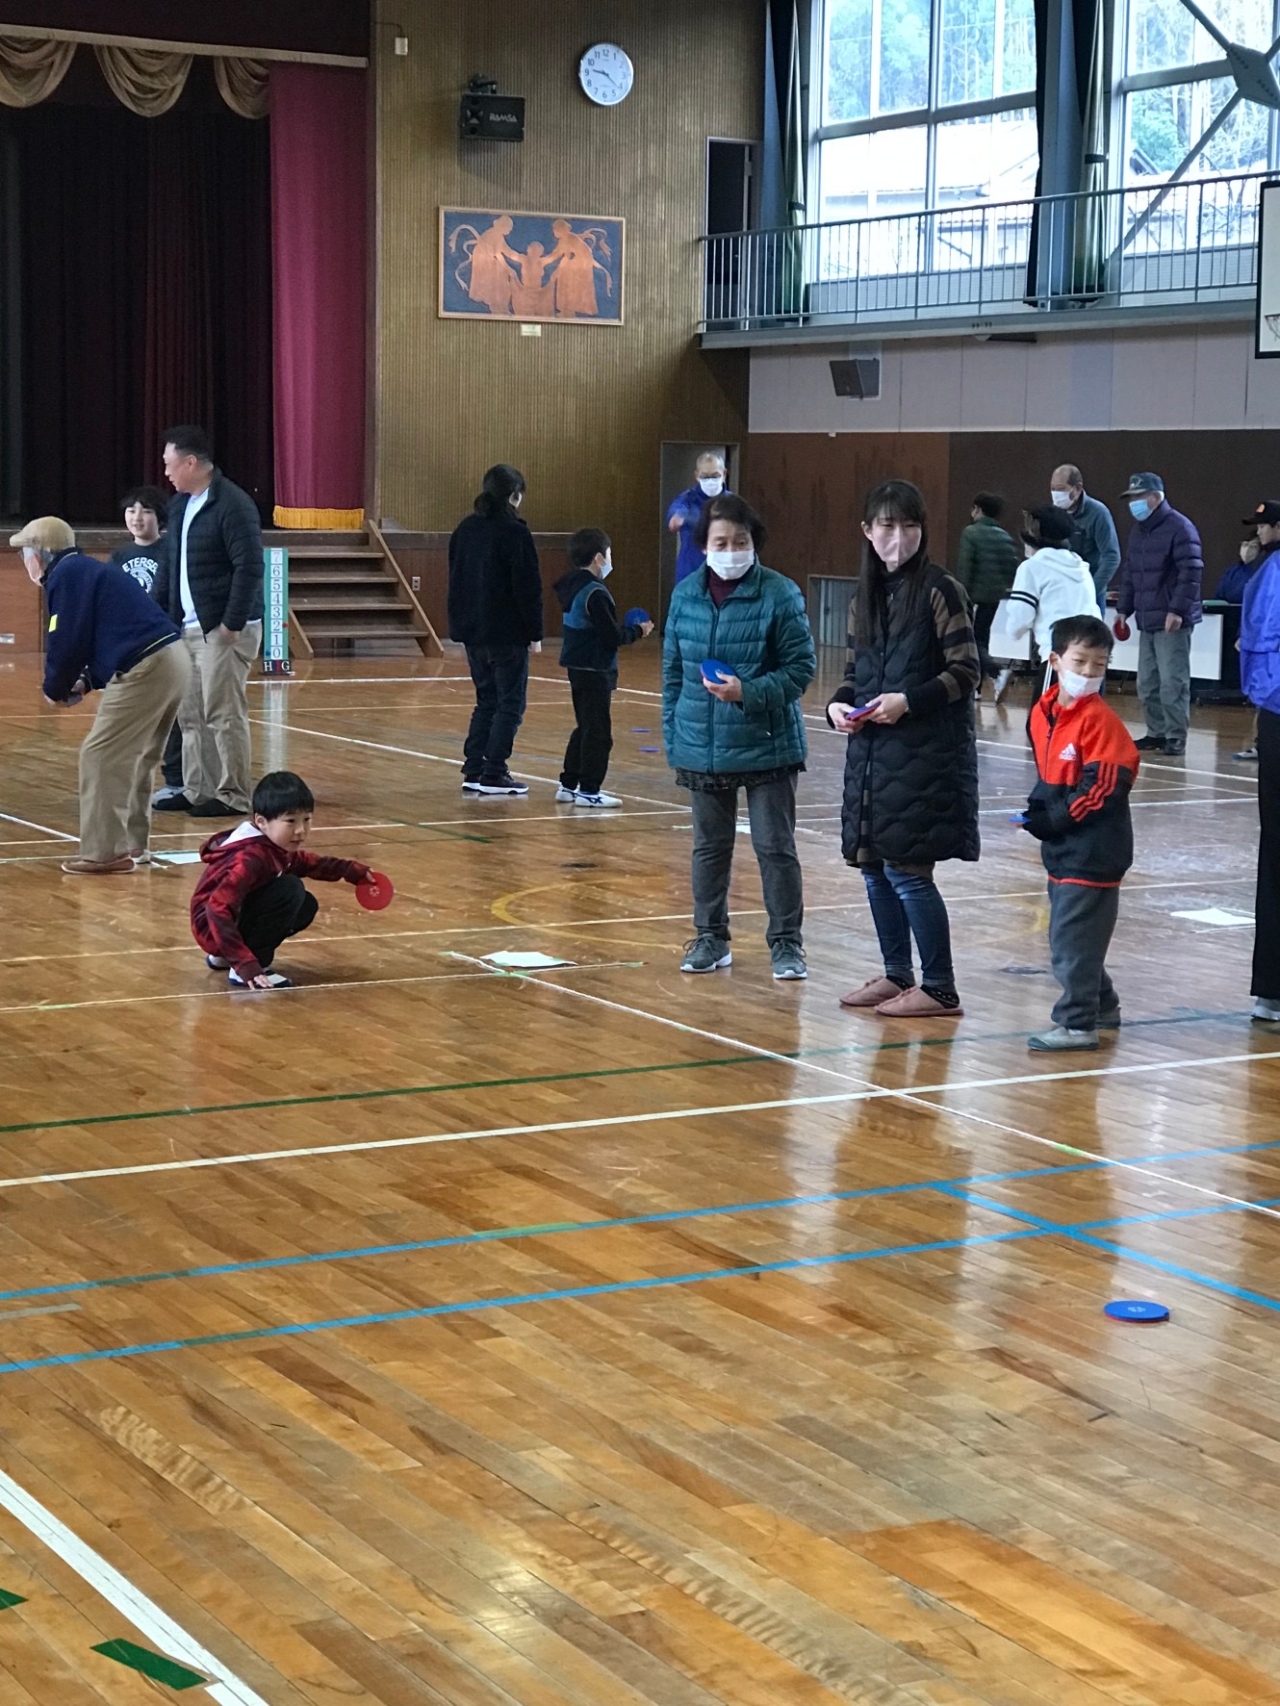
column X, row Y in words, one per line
column 911, row 775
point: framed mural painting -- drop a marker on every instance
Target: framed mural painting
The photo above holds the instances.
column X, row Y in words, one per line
column 565, row 268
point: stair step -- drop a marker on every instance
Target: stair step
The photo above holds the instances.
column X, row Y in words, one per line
column 348, row 632
column 378, row 605
column 336, row 576
column 318, row 553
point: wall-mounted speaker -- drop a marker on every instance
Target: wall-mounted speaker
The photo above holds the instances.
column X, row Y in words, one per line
column 858, row 377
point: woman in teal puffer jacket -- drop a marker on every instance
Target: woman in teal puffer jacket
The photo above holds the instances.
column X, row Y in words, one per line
column 744, row 729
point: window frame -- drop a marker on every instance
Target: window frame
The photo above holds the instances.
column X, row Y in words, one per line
column 1125, row 83
column 931, row 116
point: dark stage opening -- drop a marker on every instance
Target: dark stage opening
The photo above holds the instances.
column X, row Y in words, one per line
column 135, row 293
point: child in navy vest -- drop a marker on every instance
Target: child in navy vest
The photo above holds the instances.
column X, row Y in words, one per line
column 589, row 651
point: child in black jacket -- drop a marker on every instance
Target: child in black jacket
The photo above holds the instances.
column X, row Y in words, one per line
column 589, row 651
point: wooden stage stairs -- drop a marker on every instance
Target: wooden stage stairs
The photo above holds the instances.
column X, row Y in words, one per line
column 348, row 597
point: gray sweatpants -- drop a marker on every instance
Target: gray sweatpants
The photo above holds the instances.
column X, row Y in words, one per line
column 1164, row 682
column 1081, row 922
column 771, row 810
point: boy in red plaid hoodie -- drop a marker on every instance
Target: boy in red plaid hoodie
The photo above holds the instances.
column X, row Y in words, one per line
column 251, row 896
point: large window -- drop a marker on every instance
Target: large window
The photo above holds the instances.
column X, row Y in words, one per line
column 924, row 104
column 1176, row 82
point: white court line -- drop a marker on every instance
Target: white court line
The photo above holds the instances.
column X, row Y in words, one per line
column 435, row 758
column 27, row 824
column 120, row 1593
column 576, row 924
column 364, row 680
column 230, row 992
column 836, row 1098
column 914, row 1097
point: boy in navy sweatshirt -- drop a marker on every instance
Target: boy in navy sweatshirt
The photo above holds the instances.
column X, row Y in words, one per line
column 589, row 651
column 251, row 897
column 106, row 634
column 1079, row 813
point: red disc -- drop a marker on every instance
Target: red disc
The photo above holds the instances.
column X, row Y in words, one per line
column 376, row 892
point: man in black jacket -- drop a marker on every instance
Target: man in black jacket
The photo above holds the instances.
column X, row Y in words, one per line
column 495, row 610
column 210, row 582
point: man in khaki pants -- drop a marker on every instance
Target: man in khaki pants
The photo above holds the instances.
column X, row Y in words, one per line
column 106, row 633
column 210, row 582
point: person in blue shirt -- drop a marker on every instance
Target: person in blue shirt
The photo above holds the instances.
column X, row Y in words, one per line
column 106, row 634
column 686, row 512
column 1254, row 551
column 1260, row 678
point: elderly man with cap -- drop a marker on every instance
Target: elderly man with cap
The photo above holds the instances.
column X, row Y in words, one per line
column 106, row 632
column 1160, row 587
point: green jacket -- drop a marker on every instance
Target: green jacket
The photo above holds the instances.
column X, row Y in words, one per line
column 761, row 632
column 987, row 562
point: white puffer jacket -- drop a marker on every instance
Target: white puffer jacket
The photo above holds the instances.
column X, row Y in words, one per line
column 1050, row 585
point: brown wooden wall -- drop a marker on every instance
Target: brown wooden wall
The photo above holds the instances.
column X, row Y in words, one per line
column 581, row 410
column 810, row 488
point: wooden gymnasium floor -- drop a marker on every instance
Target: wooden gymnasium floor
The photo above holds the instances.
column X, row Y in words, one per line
column 432, row 1336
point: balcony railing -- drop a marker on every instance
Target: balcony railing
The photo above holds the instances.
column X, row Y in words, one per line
column 1151, row 246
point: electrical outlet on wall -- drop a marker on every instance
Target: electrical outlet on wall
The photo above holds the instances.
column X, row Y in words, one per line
column 415, row 583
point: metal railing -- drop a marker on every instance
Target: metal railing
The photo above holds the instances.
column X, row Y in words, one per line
column 1151, row 245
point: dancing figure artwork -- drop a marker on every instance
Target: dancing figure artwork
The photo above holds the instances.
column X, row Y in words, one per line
column 530, row 266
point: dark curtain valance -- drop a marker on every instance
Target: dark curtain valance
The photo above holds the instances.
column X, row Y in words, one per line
column 317, row 26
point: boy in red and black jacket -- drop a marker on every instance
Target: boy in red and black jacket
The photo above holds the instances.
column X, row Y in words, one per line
column 1079, row 813
column 251, row 896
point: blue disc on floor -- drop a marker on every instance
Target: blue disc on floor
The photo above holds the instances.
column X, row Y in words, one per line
column 635, row 617
column 713, row 671
column 650, row 749
column 1134, row 1309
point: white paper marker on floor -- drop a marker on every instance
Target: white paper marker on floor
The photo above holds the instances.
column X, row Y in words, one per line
column 176, row 858
column 1215, row 915
column 524, row 961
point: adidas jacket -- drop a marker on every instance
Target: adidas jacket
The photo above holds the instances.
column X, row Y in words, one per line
column 1049, row 585
column 1079, row 809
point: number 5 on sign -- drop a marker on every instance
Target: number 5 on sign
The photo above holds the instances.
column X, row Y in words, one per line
column 275, row 598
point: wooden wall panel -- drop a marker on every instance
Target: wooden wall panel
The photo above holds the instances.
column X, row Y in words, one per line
column 1213, row 477
column 427, row 556
column 810, row 488
column 582, row 410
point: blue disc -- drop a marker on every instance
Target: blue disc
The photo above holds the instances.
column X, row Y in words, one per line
column 1135, row 1309
column 713, row 671
column 635, row 617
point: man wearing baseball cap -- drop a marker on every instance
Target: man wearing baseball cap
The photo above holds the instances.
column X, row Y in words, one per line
column 1160, row 580
column 107, row 634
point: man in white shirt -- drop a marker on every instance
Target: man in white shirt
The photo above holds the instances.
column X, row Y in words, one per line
column 210, row 582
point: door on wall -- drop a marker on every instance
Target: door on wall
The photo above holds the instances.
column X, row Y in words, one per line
column 679, row 457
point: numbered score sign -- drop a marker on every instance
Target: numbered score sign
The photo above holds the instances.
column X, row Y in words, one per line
column 275, row 623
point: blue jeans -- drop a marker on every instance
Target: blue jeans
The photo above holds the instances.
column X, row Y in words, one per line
column 904, row 905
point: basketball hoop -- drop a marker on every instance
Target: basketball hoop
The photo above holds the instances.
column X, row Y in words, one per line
column 1273, row 325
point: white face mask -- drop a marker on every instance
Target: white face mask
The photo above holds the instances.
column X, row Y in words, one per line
column 1078, row 686
column 1061, row 500
column 712, row 485
column 606, row 568
column 730, row 565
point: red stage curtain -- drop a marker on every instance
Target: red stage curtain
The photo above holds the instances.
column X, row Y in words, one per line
column 318, row 196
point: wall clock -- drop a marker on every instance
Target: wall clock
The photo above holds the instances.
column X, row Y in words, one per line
column 606, row 74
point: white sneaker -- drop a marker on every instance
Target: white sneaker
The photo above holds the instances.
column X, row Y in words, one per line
column 165, row 793
column 1266, row 1012
column 1000, row 686
column 566, row 796
column 606, row 800
column 215, row 962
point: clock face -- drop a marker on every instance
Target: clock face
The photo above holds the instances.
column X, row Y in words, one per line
column 606, row 74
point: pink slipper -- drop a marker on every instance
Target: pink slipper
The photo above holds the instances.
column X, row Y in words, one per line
column 872, row 993
column 915, row 1004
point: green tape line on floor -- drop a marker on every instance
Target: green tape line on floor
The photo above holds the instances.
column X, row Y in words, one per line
column 154, row 1665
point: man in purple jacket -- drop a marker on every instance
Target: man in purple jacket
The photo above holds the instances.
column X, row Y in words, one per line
column 1160, row 586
